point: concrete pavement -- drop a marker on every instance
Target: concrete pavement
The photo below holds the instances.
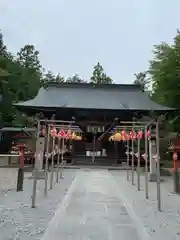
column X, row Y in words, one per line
column 93, row 209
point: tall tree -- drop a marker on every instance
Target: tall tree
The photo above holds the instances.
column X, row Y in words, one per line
column 141, row 80
column 75, row 79
column 164, row 71
column 2, row 46
column 99, row 76
column 28, row 58
column 19, row 79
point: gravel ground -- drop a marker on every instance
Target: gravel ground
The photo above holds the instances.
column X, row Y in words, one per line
column 159, row 225
column 18, row 221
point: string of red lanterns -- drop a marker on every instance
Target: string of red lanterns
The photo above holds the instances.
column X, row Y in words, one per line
column 132, row 135
column 123, row 136
column 63, row 134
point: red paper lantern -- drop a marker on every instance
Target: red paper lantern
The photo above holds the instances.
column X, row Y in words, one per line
column 148, row 134
column 62, row 133
column 123, row 133
column 68, row 135
column 132, row 135
column 140, row 135
column 54, row 132
column 175, row 156
column 127, row 137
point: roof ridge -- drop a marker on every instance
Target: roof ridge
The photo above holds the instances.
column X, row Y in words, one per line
column 92, row 85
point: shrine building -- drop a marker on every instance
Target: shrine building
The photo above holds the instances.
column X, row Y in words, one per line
column 96, row 111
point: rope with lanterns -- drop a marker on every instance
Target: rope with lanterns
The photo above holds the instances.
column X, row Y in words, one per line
column 130, row 136
column 67, row 135
column 123, row 136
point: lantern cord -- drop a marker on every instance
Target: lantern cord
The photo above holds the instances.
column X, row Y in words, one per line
column 104, row 133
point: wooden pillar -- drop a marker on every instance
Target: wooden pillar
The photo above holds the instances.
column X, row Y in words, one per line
column 116, row 151
column 176, row 172
column 73, row 153
column 152, row 161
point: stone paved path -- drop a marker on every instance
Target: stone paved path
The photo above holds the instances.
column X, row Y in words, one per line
column 92, row 209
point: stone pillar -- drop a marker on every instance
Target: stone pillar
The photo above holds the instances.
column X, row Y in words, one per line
column 152, row 152
column 40, row 144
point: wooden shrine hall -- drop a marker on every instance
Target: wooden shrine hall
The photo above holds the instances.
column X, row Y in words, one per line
column 96, row 110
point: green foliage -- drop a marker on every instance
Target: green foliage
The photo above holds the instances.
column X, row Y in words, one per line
column 99, row 76
column 2, row 46
column 142, row 80
column 164, row 71
column 50, row 77
column 19, row 79
column 75, row 79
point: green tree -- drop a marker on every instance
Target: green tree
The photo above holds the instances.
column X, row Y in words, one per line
column 49, row 77
column 99, row 76
column 75, row 79
column 141, row 80
column 19, row 79
column 59, row 78
column 28, row 58
column 164, row 71
column 2, row 46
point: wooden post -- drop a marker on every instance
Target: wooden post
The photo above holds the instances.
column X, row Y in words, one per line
column 138, row 165
column 58, row 160
column 33, row 205
column 175, row 172
column 52, row 164
column 46, row 163
column 146, row 164
column 20, row 177
column 62, row 159
column 128, row 160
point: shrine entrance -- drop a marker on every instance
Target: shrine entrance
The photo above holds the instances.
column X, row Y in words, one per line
column 95, row 147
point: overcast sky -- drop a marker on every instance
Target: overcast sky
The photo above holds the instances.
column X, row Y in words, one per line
column 73, row 35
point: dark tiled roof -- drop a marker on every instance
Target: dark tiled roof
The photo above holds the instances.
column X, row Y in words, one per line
column 88, row 96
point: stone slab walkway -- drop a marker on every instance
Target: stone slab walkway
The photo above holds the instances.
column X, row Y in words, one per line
column 93, row 209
